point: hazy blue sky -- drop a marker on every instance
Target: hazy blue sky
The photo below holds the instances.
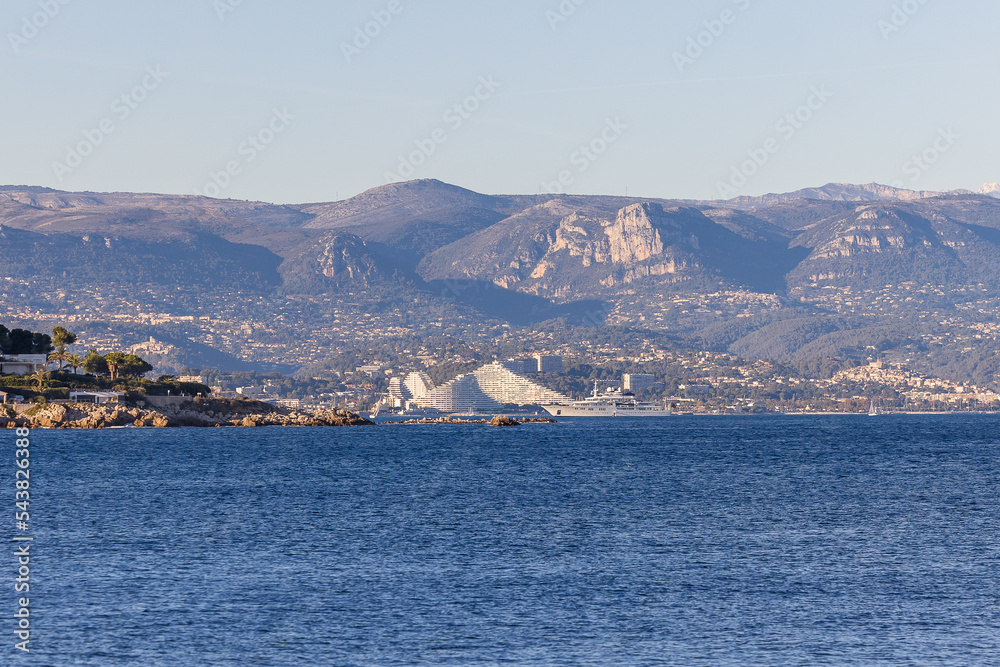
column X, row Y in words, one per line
column 921, row 82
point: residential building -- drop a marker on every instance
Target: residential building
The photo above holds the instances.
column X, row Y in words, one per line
column 22, row 364
column 398, row 393
column 488, row 389
column 636, row 382
column 98, row 397
column 463, row 394
column 418, row 384
column 521, row 366
column 509, row 388
column 549, row 363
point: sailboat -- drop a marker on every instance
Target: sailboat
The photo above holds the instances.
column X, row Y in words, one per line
column 872, row 410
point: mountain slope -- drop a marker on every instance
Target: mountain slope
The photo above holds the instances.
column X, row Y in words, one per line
column 878, row 244
column 151, row 218
column 64, row 259
column 837, row 192
column 563, row 251
column 825, row 271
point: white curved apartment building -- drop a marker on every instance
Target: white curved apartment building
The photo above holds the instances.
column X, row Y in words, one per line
column 487, row 389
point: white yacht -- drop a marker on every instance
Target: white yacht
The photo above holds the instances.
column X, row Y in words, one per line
column 612, row 403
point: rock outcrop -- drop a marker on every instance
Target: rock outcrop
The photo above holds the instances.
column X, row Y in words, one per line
column 195, row 413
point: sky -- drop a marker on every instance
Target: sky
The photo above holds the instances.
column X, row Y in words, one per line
column 305, row 101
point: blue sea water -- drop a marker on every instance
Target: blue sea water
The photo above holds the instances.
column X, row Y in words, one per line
column 683, row 541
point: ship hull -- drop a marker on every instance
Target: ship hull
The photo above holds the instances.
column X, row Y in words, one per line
column 605, row 411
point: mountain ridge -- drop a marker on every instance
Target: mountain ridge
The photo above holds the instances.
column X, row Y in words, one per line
column 424, row 256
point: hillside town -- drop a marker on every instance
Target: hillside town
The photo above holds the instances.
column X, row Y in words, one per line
column 177, row 328
column 424, row 381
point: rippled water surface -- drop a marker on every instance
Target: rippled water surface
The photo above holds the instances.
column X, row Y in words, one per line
column 688, row 541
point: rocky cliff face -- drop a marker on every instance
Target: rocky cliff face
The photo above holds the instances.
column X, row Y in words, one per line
column 872, row 229
column 628, row 246
column 631, row 238
column 339, row 260
column 894, row 243
column 562, row 251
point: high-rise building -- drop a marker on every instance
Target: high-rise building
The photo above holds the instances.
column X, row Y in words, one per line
column 462, row 394
column 398, row 393
column 638, row 381
column 418, row 384
column 511, row 389
column 521, row 366
column 549, row 363
column 488, row 389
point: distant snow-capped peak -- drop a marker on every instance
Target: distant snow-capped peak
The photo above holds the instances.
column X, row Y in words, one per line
column 991, row 189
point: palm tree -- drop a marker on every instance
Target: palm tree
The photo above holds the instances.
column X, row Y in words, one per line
column 75, row 361
column 41, row 377
column 61, row 338
column 60, row 356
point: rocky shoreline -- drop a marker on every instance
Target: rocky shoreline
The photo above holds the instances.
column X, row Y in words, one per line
column 213, row 413
column 206, row 413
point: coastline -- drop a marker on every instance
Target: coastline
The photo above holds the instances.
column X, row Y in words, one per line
column 226, row 413
column 195, row 413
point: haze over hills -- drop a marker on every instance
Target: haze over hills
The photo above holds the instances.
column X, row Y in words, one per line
column 841, row 192
column 829, row 271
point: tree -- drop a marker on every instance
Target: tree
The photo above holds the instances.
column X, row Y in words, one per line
column 114, row 362
column 59, row 356
column 75, row 361
column 126, row 365
column 41, row 377
column 22, row 341
column 62, row 338
column 94, row 363
column 135, row 366
column 41, row 344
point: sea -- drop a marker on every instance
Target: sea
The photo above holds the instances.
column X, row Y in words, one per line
column 730, row 540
